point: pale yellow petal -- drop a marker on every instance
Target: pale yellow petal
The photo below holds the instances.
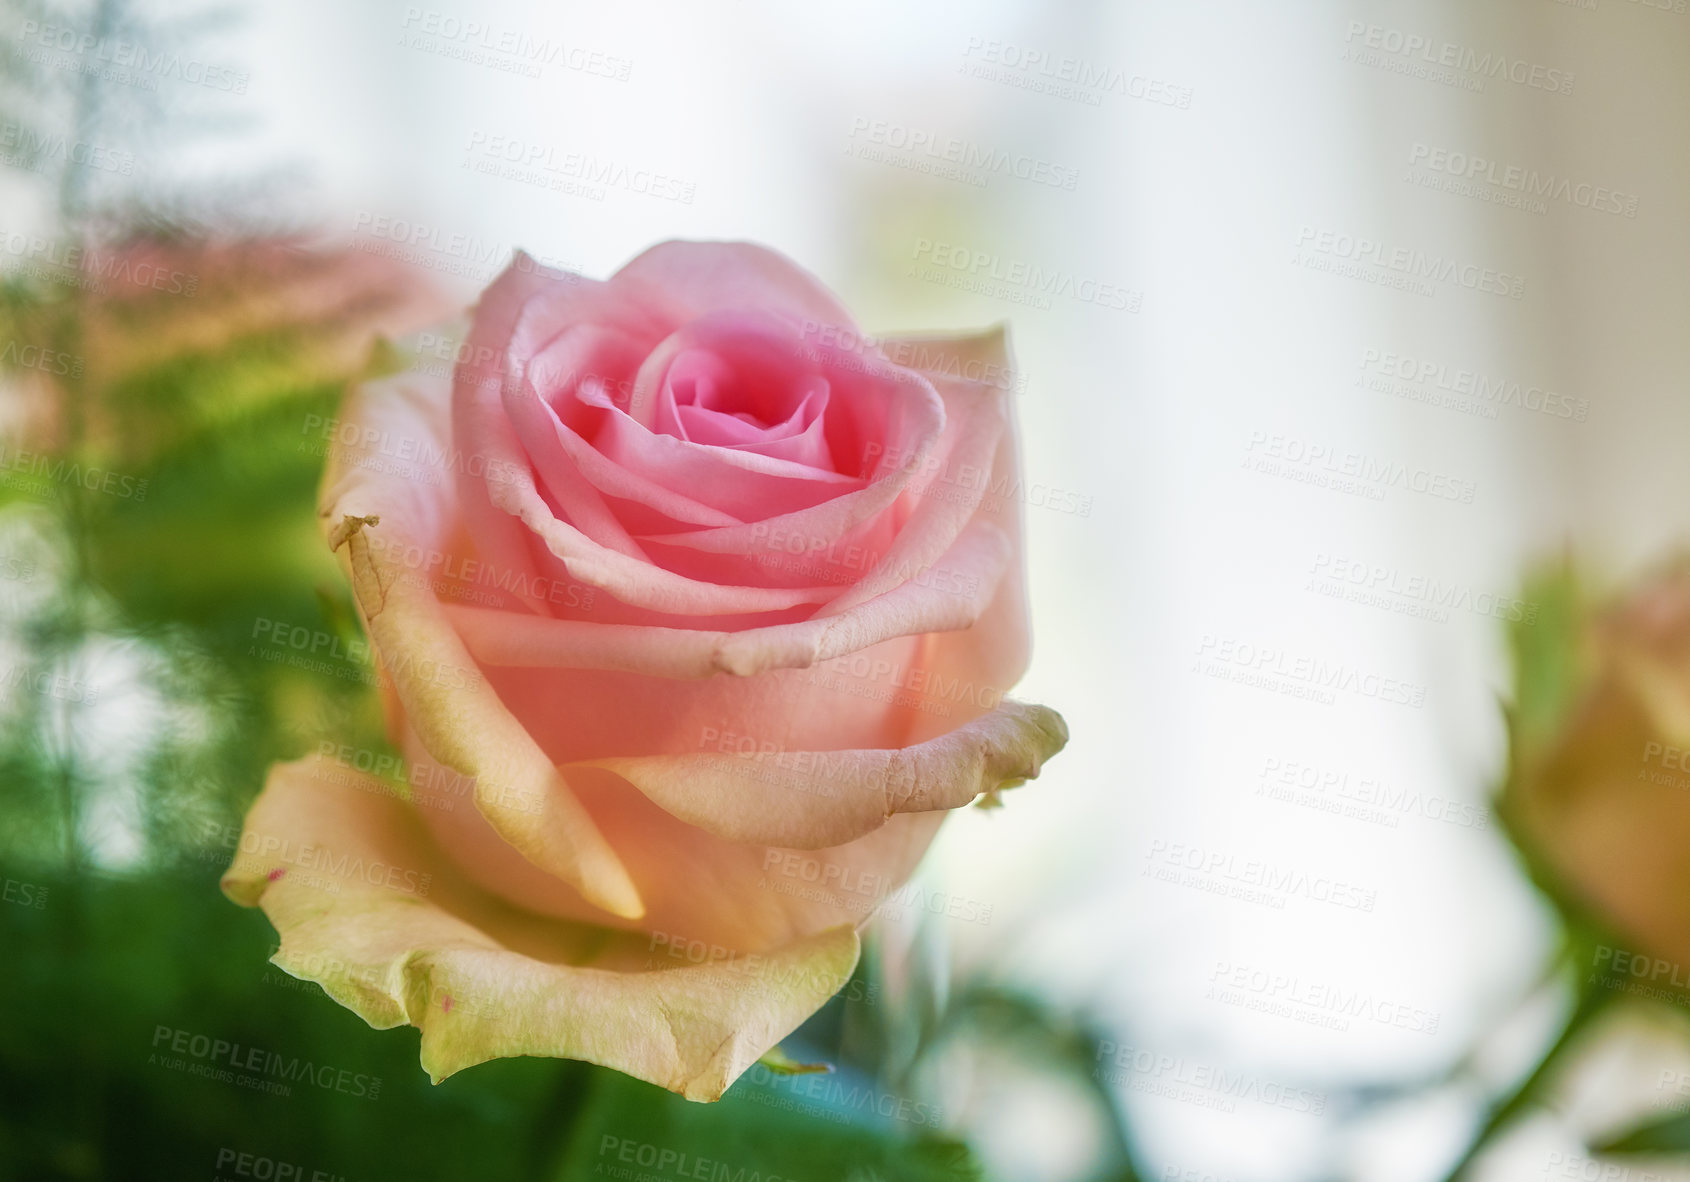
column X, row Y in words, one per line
column 366, row 905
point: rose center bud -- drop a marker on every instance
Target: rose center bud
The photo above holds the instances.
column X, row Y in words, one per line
column 746, row 400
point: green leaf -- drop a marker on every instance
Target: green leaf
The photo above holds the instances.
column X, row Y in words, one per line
column 778, row 1061
column 1668, row 1135
column 765, row 1129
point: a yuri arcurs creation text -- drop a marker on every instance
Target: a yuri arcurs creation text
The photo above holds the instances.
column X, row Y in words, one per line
column 675, row 582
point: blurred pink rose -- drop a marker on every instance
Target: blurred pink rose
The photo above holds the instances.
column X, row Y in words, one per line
column 1605, row 801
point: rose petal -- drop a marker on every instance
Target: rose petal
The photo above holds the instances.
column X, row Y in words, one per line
column 758, row 362
column 639, row 583
column 901, row 434
column 816, row 799
column 970, row 571
column 971, row 481
column 705, row 416
column 580, row 503
column 690, row 279
column 503, row 479
column 510, row 487
column 948, row 491
column 996, row 650
column 696, row 886
column 480, row 430
column 445, row 698
column 366, row 906
column 745, row 485
column 561, row 369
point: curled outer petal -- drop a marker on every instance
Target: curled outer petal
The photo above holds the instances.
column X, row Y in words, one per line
column 367, row 907
column 446, row 699
column 817, row 799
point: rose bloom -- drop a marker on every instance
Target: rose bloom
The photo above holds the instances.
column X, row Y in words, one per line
column 1605, row 801
column 695, row 612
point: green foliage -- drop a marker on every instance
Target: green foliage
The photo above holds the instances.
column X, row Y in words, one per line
column 1669, row 1135
column 765, row 1129
column 112, row 968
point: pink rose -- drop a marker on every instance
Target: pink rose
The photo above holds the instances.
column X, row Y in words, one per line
column 697, row 610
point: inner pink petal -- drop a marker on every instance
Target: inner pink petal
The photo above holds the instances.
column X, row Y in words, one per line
column 799, row 439
column 739, row 363
column 732, row 413
column 583, row 375
column 720, row 430
column 735, row 480
column 696, row 378
column 586, row 356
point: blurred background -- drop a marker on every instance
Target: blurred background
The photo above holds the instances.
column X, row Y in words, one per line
column 1352, row 342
